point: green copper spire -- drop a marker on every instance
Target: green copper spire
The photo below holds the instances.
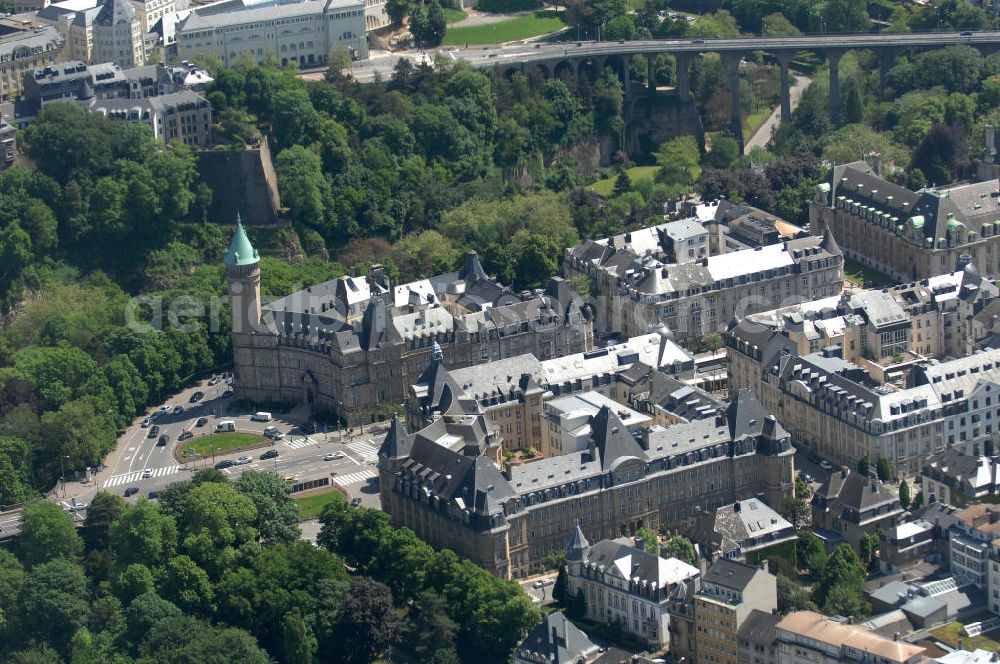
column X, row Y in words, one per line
column 240, row 251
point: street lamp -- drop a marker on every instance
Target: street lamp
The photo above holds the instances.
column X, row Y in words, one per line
column 62, row 478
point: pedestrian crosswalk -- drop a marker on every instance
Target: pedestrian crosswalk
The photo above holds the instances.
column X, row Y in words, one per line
column 366, row 451
column 296, row 443
column 354, row 478
column 126, row 478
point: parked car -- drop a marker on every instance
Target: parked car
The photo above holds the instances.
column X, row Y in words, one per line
column 243, row 460
column 178, row 410
column 541, row 583
column 131, row 491
column 355, row 502
column 278, row 435
column 270, row 454
column 196, row 397
column 227, row 393
column 215, row 380
column 146, row 422
column 270, row 431
column 225, row 463
column 225, row 425
column 261, row 416
column 153, row 495
column 147, row 473
column 291, row 479
column 77, row 507
column 202, row 421
column 164, row 409
column 334, row 456
column 153, row 432
column 825, row 465
column 164, row 439
column 806, row 477
column 185, row 435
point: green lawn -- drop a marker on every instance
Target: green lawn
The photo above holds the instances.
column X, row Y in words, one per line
column 522, row 27
column 607, row 185
column 220, row 443
column 752, row 122
column 453, row 15
column 950, row 634
column 310, row 507
column 857, row 273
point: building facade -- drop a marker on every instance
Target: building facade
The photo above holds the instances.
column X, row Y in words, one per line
column 22, row 50
column 955, row 478
column 807, row 637
column 908, row 235
column 637, row 286
column 507, row 521
column 118, row 35
column 302, row 32
column 850, row 504
column 730, row 593
column 627, row 586
column 351, row 347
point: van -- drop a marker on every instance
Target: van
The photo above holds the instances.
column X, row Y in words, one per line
column 226, row 425
column 260, row 416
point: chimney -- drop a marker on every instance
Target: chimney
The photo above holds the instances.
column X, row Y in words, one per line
column 876, row 163
column 895, row 636
column 702, row 566
column 736, row 506
column 640, row 543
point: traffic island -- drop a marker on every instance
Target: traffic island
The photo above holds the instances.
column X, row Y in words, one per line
column 212, row 444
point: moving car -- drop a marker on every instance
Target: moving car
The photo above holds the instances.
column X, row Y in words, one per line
column 202, row 421
column 243, row 460
column 131, row 491
column 185, row 435
column 164, row 409
column 164, row 439
column 270, row 454
column 806, row 477
column 146, row 422
column 333, row 456
column 825, row 465
column 178, row 410
column 541, row 583
column 966, row 33
column 196, row 397
column 146, row 474
column 260, row 416
column 225, row 463
column 226, row 425
column 153, row 432
column 77, row 507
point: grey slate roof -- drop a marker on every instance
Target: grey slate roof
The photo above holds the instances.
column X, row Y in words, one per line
column 557, row 641
column 759, row 628
column 114, row 12
column 613, row 441
column 730, row 574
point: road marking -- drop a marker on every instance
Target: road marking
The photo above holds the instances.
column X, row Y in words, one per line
column 366, row 451
column 297, row 443
column 127, row 478
column 354, row 478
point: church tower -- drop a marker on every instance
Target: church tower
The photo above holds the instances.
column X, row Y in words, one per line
column 243, row 275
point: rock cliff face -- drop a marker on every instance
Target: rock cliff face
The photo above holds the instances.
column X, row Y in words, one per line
column 651, row 121
column 241, row 181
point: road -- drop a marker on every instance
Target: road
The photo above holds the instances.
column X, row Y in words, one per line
column 763, row 134
column 515, row 54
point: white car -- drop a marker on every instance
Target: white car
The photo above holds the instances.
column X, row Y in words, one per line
column 260, row 416
column 541, row 583
column 825, row 465
column 243, row 460
column 147, row 473
column 77, row 507
column 334, row 456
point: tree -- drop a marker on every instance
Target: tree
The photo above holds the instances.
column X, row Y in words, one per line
column 864, row 466
column 47, row 533
column 725, row 151
column 650, row 542
column 776, row 25
column 679, row 160
column 185, row 639
column 904, row 494
column 397, row 10
column 943, row 154
column 918, row 500
column 15, row 481
column 52, row 603
column 845, row 16
column 143, row 613
column 277, row 514
column 133, row 581
column 791, row 596
column 428, row 24
column 561, row 589
column 430, row 631
column 143, row 534
column 623, row 183
column 303, row 187
column 841, row 585
column 683, row 549
column 369, row 622
column 796, row 510
column 578, row 606
column 297, row 638
column 883, row 469
column 810, row 552
column 187, row 585
column 868, row 546
column 102, row 511
column 217, row 521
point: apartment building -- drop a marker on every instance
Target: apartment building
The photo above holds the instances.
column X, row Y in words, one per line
column 637, row 285
column 507, row 521
column 955, row 478
column 730, row 592
column 908, row 235
column 300, row 32
column 975, row 529
column 118, row 35
column 24, row 47
column 745, row 530
column 850, row 505
column 807, row 637
column 626, row 586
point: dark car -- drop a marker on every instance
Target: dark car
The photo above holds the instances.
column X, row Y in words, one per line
column 202, row 421
column 154, row 494
column 196, row 397
column 355, row 502
column 164, row 439
column 185, row 435
column 270, row 454
column 307, row 428
column 131, row 491
column 967, row 33
column 154, row 431
column 225, row 463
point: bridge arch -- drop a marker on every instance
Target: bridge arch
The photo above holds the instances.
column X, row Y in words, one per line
column 564, row 71
column 589, row 69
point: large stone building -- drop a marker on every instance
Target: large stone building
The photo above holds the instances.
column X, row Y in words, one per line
column 118, row 35
column 730, row 594
column 301, row 32
column 954, row 478
column 807, row 637
column 850, row 377
column 909, row 235
column 23, row 48
column 352, row 346
column 627, row 586
column 646, row 277
column 850, row 505
column 443, row 482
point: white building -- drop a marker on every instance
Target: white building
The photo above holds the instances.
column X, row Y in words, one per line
column 567, row 420
column 627, row 586
column 303, row 32
column 118, row 35
column 151, row 11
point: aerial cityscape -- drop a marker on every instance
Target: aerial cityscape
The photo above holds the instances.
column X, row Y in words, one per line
column 499, row 331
